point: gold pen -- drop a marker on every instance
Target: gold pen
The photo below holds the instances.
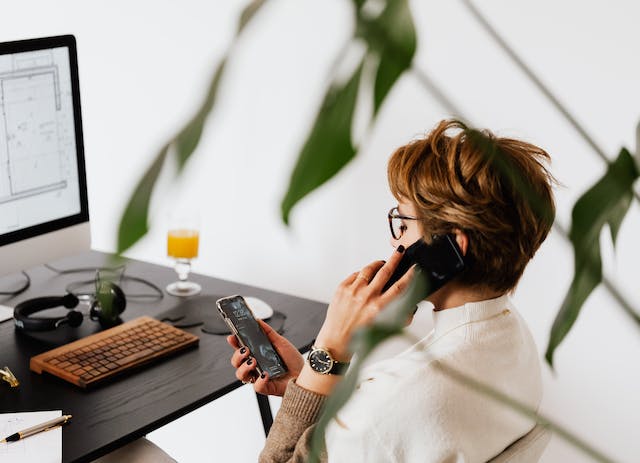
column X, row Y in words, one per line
column 46, row 426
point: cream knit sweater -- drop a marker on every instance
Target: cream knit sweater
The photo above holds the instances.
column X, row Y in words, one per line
column 405, row 409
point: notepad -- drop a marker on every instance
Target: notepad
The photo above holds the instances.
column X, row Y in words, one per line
column 44, row 447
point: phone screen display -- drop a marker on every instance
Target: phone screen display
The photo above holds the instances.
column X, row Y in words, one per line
column 237, row 314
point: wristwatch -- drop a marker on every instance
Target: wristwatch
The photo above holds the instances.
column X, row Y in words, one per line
column 321, row 361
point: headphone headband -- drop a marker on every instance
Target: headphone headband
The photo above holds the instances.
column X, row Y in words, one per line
column 23, row 310
column 110, row 299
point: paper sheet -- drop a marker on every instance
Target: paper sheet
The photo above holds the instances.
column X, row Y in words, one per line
column 44, row 447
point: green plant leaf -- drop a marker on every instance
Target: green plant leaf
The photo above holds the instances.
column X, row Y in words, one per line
column 617, row 213
column 392, row 36
column 188, row 138
column 607, row 202
column 587, row 275
column 248, row 13
column 134, row 223
column 328, row 147
column 638, row 145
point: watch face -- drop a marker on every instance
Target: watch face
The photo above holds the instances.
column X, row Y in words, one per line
column 320, row 361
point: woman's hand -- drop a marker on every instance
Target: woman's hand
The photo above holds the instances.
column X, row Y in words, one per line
column 245, row 364
column 357, row 301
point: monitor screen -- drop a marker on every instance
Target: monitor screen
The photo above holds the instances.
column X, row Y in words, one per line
column 42, row 175
column 42, row 178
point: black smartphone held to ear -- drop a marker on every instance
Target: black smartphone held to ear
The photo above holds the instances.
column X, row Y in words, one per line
column 238, row 316
column 440, row 261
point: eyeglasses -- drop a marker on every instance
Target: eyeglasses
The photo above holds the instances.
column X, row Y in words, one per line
column 396, row 224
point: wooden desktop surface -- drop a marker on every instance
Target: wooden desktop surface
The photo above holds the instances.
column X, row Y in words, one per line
column 120, row 411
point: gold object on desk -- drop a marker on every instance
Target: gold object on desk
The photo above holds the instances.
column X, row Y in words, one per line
column 9, row 377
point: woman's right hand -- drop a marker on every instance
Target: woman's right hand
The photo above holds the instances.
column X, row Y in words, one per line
column 245, row 364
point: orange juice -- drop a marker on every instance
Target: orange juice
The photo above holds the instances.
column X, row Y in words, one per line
column 183, row 244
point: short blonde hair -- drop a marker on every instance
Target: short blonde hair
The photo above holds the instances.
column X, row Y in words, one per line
column 497, row 190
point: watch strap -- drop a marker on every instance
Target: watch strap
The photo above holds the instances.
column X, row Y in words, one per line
column 339, row 368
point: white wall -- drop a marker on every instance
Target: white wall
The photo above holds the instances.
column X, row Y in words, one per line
column 145, row 64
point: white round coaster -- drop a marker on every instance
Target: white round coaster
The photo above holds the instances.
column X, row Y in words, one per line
column 260, row 309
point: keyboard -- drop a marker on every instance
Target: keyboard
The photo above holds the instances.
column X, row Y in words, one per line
column 111, row 352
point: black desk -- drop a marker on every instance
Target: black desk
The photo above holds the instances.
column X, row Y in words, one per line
column 121, row 411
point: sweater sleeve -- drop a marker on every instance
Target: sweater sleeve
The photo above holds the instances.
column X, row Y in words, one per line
column 289, row 439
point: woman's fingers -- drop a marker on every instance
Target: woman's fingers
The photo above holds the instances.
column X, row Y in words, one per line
column 272, row 334
column 367, row 274
column 278, row 341
column 233, row 341
column 239, row 356
column 261, row 383
column 385, row 272
column 350, row 279
column 246, row 371
column 397, row 288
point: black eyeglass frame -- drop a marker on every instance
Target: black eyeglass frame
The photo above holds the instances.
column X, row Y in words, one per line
column 395, row 214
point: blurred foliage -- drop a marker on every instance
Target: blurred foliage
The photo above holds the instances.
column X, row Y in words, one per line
column 134, row 223
column 390, row 42
column 605, row 203
column 590, row 212
column 328, row 148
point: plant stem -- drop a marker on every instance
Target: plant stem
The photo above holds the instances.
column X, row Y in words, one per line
column 439, row 95
column 537, row 82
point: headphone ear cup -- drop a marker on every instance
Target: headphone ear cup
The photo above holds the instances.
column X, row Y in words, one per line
column 69, row 300
column 108, row 304
column 119, row 299
column 74, row 318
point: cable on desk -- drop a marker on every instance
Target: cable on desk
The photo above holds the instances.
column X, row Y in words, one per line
column 159, row 294
column 74, row 286
column 60, row 271
column 20, row 290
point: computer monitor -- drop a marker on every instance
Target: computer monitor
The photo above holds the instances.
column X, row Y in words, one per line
column 44, row 211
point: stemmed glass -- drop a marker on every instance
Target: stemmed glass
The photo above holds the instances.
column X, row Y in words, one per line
column 182, row 245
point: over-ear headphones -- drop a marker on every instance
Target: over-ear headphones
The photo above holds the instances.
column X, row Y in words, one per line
column 108, row 303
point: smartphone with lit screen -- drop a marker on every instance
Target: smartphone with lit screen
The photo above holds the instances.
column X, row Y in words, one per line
column 240, row 319
column 440, row 261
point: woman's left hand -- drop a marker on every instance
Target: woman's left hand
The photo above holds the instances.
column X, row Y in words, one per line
column 357, row 301
column 245, row 365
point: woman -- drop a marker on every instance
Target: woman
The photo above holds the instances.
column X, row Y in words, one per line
column 494, row 196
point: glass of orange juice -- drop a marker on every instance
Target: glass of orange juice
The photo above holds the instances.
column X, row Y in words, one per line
column 182, row 245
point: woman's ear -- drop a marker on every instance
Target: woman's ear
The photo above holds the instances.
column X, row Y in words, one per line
column 462, row 239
